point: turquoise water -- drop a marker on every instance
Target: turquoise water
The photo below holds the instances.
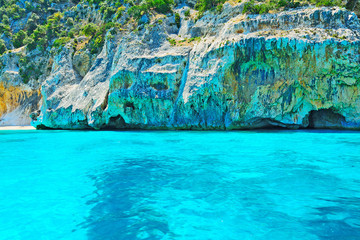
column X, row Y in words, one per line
column 179, row 185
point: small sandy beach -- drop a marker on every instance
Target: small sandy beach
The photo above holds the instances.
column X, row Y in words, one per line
column 16, row 128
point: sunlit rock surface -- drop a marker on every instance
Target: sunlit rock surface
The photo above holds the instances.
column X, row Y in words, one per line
column 295, row 69
column 17, row 99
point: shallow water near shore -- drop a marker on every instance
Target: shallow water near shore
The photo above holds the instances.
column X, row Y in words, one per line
column 179, row 185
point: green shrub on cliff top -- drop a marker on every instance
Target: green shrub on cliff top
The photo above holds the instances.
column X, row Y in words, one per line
column 204, row 5
column 46, row 25
column 60, row 42
column 328, row 3
column 107, row 11
column 98, row 37
column 160, row 6
column 261, row 7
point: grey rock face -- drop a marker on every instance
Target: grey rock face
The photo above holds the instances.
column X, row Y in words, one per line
column 82, row 62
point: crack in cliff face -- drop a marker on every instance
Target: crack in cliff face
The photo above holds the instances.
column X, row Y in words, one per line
column 268, row 123
column 105, row 103
column 43, row 127
column 326, row 118
column 181, row 90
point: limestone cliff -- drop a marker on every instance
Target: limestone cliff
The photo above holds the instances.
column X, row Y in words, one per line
column 17, row 99
column 295, row 69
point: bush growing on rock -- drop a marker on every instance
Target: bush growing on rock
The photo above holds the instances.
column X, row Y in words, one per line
column 70, row 21
column 137, row 11
column 219, row 7
column 5, row 29
column 177, row 20
column 187, row 13
column 30, row 43
column 107, row 11
column 259, row 7
column 2, row 47
column 29, row 6
column 172, row 41
column 160, row 6
column 5, row 19
column 15, row 11
column 32, row 23
column 72, row 33
column 90, row 29
column 18, row 39
column 29, row 70
column 204, row 5
column 97, row 44
column 60, row 42
column 119, row 12
column 328, row 3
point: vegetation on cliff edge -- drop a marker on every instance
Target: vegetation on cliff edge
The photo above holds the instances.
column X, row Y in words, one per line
column 44, row 24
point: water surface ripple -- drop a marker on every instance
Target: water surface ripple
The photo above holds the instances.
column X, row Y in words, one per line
column 180, row 185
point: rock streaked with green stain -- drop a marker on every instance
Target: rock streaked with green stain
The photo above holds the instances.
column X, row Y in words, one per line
column 279, row 70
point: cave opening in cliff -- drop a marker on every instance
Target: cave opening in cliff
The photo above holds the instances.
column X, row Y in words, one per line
column 325, row 119
column 116, row 122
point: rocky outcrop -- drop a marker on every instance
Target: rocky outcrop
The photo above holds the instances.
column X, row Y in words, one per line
column 82, row 62
column 17, row 99
column 295, row 69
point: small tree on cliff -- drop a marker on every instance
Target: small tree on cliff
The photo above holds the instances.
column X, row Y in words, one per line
column 18, row 39
column 90, row 29
column 351, row 4
column 2, row 46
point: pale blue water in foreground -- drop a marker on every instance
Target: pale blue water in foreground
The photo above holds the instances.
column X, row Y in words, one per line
column 180, row 185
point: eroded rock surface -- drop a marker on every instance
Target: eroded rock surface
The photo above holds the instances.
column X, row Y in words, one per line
column 17, row 99
column 295, row 69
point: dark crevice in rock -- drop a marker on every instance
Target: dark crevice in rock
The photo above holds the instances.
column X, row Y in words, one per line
column 326, row 118
column 129, row 105
column 160, row 86
column 116, row 122
column 43, row 127
column 268, row 123
column 35, row 114
column 82, row 124
column 106, row 100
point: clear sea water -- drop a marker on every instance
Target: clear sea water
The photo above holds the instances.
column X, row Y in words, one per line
column 180, row 185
